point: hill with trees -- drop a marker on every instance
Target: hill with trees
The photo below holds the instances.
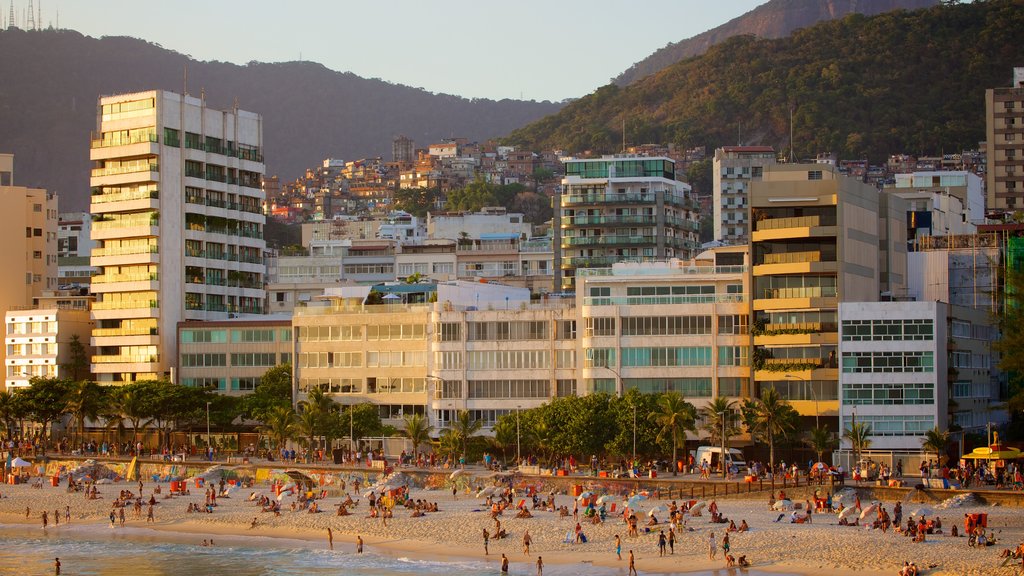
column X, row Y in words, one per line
column 53, row 78
column 861, row 86
column 773, row 19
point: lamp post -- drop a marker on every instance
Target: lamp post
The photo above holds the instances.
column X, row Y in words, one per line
column 814, row 395
column 519, row 457
column 621, row 392
column 209, row 443
column 351, row 431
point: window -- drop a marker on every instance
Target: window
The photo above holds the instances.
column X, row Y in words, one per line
column 889, row 393
column 814, row 175
column 201, row 336
column 600, row 326
column 733, row 356
column 262, row 335
column 565, row 330
column 666, row 325
column 731, row 387
column 595, row 357
column 881, row 330
column 888, row 362
column 203, row 360
column 681, row 356
column 733, row 324
column 253, row 359
column 448, row 331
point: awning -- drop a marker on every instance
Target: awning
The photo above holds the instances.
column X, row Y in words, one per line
column 994, row 452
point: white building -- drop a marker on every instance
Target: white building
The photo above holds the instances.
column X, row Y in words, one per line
column 178, row 221
column 38, row 342
column 734, row 168
column 893, row 371
column 473, row 226
column 955, row 198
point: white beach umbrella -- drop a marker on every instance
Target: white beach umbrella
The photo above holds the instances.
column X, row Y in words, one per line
column 585, row 495
column 456, row 474
column 604, row 499
column 783, row 505
column 847, row 513
column 635, row 500
column 869, row 511
column 698, row 507
column 922, row 511
column 19, row 463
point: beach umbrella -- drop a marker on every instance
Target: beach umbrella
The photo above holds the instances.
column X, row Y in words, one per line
column 783, row 505
column 604, row 499
column 486, row 492
column 698, row 507
column 391, row 297
column 657, row 509
column 870, row 510
column 456, row 474
column 635, row 500
column 19, row 463
column 921, row 512
column 847, row 513
column 586, row 495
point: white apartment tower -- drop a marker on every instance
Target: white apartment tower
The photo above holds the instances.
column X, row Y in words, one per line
column 178, row 226
column 734, row 168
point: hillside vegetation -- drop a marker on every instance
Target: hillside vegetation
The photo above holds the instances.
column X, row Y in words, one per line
column 860, row 86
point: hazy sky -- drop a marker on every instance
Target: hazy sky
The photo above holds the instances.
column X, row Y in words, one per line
column 534, row 49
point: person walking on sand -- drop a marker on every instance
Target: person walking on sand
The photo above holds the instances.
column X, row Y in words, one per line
column 359, row 544
column 487, row 539
column 661, row 544
column 330, row 538
column 67, row 514
column 618, row 547
column 504, row 564
column 540, row 566
column 44, row 520
column 671, row 540
column 526, row 542
column 632, row 565
column 56, row 566
column 149, row 514
column 712, row 547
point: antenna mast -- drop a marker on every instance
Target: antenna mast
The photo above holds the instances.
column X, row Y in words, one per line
column 30, row 22
column 10, row 19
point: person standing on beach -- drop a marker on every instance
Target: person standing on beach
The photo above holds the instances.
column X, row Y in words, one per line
column 56, row 566
column 330, row 538
column 487, row 539
column 56, row 517
column 632, row 565
column 149, row 514
column 504, row 564
column 661, row 543
column 359, row 544
column 618, row 547
column 526, row 542
column 540, row 566
column 671, row 540
column 712, row 547
column 67, row 514
column 44, row 520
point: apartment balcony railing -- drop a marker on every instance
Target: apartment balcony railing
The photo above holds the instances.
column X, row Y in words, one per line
column 125, row 141
column 126, row 305
column 111, row 278
column 124, row 250
column 145, row 331
column 126, row 359
column 129, row 169
column 793, row 257
column 809, row 292
column 124, row 196
column 664, row 300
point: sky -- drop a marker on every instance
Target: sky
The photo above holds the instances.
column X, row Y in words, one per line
column 522, row 49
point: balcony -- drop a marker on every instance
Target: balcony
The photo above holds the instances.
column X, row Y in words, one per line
column 610, row 240
column 597, row 261
column 614, row 198
column 796, row 263
column 664, row 300
column 124, row 169
column 610, row 220
column 126, row 359
column 795, row 227
column 796, row 298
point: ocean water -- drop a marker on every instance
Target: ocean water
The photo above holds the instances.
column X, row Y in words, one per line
column 89, row 550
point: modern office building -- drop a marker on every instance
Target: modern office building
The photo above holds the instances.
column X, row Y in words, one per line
column 733, row 169
column 1004, row 137
column 815, row 242
column 178, row 225
column 38, row 344
column 28, row 229
column 230, row 356
column 621, row 209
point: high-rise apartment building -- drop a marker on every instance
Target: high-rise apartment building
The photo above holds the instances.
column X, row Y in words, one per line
column 1004, row 133
column 178, row 225
column 734, row 168
column 622, row 209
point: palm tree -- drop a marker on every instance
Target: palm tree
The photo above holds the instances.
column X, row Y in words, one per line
column 772, row 416
column 465, row 427
column 279, row 425
column 417, row 429
column 308, row 424
column 720, row 425
column 935, row 440
column 859, row 435
column 821, row 440
column 84, row 401
column 675, row 416
column 8, row 411
column 130, row 403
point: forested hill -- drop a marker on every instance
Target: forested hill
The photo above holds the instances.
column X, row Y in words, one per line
column 50, row 81
column 773, row 19
column 859, row 86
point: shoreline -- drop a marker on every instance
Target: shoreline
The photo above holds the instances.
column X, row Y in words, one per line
column 454, row 534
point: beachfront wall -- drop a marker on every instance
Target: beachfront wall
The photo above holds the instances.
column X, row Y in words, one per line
column 893, row 371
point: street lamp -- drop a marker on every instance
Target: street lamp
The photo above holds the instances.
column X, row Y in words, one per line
column 814, row 395
column 209, row 444
column 519, row 457
column 621, row 390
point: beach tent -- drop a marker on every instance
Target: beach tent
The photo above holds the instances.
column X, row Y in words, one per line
column 19, row 463
column 301, row 479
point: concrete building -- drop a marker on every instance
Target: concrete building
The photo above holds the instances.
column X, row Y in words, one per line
column 733, row 169
column 893, row 375
column 433, row 260
column 977, row 388
column 230, row 356
column 1004, row 137
column 962, row 270
column 816, row 241
column 37, row 344
column 403, row 150
column 621, row 209
column 74, row 244
column 177, row 209
column 680, row 325
column 955, row 199
column 28, row 230
column 473, row 226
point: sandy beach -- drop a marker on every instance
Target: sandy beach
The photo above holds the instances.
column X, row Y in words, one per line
column 456, row 531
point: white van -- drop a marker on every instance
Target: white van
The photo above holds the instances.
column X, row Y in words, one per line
column 712, row 454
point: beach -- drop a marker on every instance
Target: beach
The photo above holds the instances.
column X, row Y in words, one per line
column 455, row 532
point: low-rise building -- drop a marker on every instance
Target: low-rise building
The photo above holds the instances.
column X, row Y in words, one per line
column 230, row 356
column 38, row 344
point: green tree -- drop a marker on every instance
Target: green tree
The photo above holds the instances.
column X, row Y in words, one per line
column 465, row 427
column 132, row 402
column 505, row 434
column 84, row 400
column 416, row 201
column 10, row 411
column 822, row 440
column 630, row 414
column 77, row 367
column 770, row 417
column 720, row 424
column 364, row 419
column 307, row 425
column 417, row 429
column 859, row 435
column 273, row 391
column 674, row 416
column 936, row 440
column 279, row 425
column 45, row 400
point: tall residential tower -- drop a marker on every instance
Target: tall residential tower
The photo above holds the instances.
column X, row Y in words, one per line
column 178, row 225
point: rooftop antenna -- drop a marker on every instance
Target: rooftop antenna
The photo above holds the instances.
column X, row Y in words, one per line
column 791, row 152
column 30, row 20
column 623, row 133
